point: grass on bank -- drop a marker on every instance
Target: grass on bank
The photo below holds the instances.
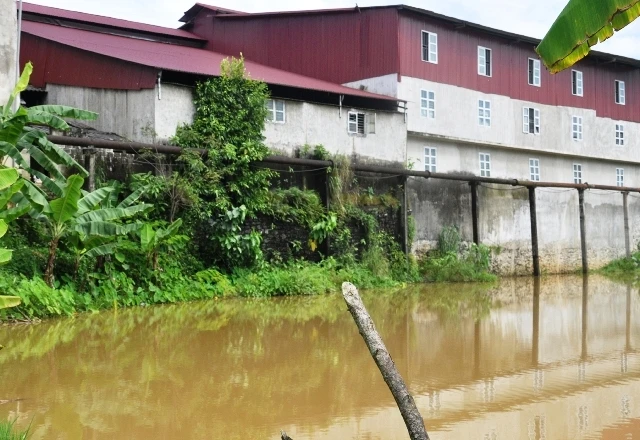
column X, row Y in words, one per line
column 8, row 431
column 625, row 268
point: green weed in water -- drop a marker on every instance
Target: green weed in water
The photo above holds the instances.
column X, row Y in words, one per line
column 8, row 431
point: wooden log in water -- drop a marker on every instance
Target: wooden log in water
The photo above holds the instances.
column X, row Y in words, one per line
column 412, row 418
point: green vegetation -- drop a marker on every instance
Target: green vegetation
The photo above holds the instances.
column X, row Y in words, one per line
column 9, row 432
column 626, row 269
column 191, row 234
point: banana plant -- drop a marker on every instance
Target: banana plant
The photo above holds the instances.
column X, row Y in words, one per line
column 19, row 132
column 78, row 213
column 152, row 241
column 580, row 25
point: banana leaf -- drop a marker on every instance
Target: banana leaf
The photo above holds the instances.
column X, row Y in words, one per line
column 108, row 214
column 93, row 199
column 9, row 301
column 21, row 86
column 103, row 228
column 8, row 176
column 580, row 25
column 64, row 111
column 66, row 207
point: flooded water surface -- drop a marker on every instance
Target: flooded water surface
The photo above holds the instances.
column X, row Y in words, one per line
column 509, row 361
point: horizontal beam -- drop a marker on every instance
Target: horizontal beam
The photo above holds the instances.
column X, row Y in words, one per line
column 138, row 147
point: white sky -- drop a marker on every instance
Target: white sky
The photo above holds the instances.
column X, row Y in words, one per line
column 527, row 17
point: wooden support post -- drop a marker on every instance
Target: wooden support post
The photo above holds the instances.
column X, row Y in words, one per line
column 627, row 238
column 405, row 219
column 535, row 339
column 627, row 345
column 474, row 211
column 534, row 232
column 90, row 166
column 477, row 341
column 412, row 418
column 583, row 232
column 585, row 315
column 327, row 205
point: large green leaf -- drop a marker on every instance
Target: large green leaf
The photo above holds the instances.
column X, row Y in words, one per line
column 17, row 211
column 147, row 237
column 66, row 207
column 21, row 86
column 64, row 111
column 9, row 301
column 133, row 197
column 3, row 228
column 36, row 197
column 101, row 251
column 53, row 121
column 7, row 194
column 171, row 230
column 58, row 155
column 8, row 176
column 93, row 199
column 9, row 150
column 105, row 229
column 12, row 126
column 580, row 25
column 5, row 255
column 108, row 214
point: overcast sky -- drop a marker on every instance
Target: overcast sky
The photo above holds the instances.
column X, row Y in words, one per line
column 527, row 17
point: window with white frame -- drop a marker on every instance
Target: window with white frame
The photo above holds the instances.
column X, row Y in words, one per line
column 485, row 165
column 428, row 104
column 275, row 110
column 619, row 134
column 361, row 123
column 484, row 61
column 530, row 120
column 620, row 98
column 429, row 47
column 534, row 170
column 619, row 176
column 430, row 159
column 577, row 173
column 534, row 72
column 484, row 113
column 576, row 128
column 576, row 83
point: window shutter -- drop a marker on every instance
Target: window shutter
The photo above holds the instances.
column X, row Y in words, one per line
column 525, row 120
column 536, row 121
column 371, row 123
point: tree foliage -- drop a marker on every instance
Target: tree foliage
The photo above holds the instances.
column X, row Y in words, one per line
column 580, row 25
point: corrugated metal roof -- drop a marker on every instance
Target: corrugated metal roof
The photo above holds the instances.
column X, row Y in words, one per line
column 195, row 9
column 106, row 21
column 179, row 58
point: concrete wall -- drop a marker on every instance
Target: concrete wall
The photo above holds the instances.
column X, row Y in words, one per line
column 8, row 42
column 175, row 108
column 313, row 124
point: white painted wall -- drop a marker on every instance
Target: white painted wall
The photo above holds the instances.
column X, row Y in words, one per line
column 174, row 108
column 313, row 124
column 8, row 42
column 383, row 85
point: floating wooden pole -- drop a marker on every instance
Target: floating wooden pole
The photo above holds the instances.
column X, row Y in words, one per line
column 627, row 239
column 583, row 232
column 405, row 215
column 535, row 340
column 412, row 418
column 474, row 211
column 534, row 232
column 585, row 315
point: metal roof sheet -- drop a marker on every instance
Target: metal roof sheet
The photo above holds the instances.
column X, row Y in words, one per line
column 179, row 58
column 106, row 21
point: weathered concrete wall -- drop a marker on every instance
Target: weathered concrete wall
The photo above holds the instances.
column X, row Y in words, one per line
column 174, row 108
column 313, row 124
column 129, row 113
column 8, row 42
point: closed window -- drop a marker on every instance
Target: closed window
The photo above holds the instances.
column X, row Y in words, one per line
column 576, row 82
column 275, row 110
column 485, row 165
column 484, row 113
column 530, row 120
column 429, row 47
column 534, row 72
column 484, row 61
column 430, row 159
column 619, row 176
column 619, row 134
column 534, row 170
column 361, row 123
column 576, row 128
column 577, row 173
column 620, row 92
column 428, row 104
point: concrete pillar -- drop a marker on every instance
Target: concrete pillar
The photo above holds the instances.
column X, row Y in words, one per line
column 8, row 45
column 90, row 166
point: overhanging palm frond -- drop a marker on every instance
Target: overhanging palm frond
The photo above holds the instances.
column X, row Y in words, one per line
column 580, row 25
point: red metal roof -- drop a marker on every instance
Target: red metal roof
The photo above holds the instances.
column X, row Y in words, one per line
column 106, row 21
column 179, row 58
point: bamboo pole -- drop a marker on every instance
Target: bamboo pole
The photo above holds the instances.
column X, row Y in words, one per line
column 583, row 232
column 412, row 418
column 627, row 238
column 474, row 211
column 534, row 232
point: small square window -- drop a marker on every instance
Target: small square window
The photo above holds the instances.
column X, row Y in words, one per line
column 534, row 170
column 430, row 159
column 429, row 47
column 361, row 123
column 576, row 83
column 620, row 134
column 620, row 94
column 484, row 61
column 485, row 165
column 576, row 128
column 619, row 176
column 275, row 110
column 577, row 173
column 428, row 104
column 530, row 120
column 534, row 72
column 484, row 113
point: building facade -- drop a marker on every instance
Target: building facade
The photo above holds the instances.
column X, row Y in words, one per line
column 8, row 44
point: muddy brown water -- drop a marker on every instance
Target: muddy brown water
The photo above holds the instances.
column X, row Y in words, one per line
column 483, row 362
